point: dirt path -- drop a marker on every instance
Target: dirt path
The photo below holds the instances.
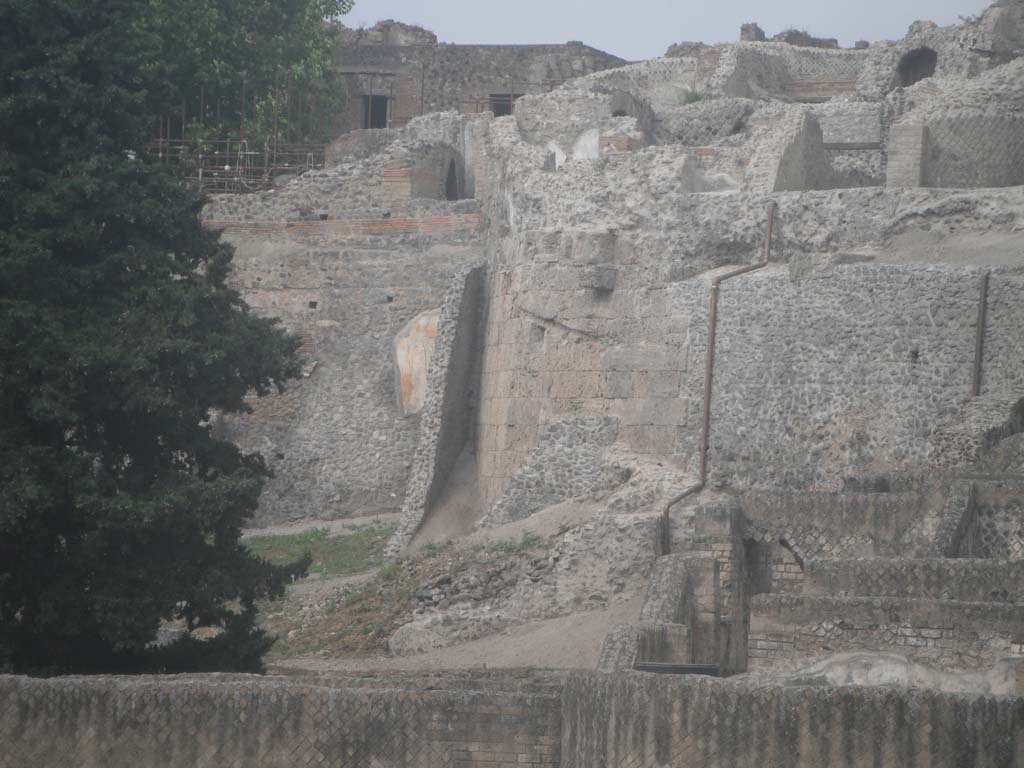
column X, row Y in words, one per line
column 567, row 642
column 333, row 527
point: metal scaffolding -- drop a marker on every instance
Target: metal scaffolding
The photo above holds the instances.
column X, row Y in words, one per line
column 235, row 166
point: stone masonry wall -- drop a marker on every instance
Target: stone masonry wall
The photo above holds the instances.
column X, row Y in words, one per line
column 966, row 579
column 859, row 370
column 446, row 426
column 845, row 525
column 643, row 721
column 623, row 720
column 430, row 78
column 759, row 70
column 568, row 462
column 214, row 721
column 578, row 326
column 337, row 439
column 975, row 150
column 795, row 629
column 864, row 368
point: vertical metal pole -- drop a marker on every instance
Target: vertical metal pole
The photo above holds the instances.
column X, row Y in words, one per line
column 772, row 209
column 979, row 340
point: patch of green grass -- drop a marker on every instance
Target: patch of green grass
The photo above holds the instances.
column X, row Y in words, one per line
column 508, row 547
column 692, row 97
column 389, row 572
column 350, row 553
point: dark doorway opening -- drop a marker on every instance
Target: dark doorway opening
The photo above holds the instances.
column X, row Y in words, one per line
column 451, row 184
column 501, row 103
column 917, row 65
column 375, row 111
column 759, row 566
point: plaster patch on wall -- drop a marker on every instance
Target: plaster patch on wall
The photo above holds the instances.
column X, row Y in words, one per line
column 414, row 346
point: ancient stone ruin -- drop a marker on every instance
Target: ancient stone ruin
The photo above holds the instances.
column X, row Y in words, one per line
column 735, row 333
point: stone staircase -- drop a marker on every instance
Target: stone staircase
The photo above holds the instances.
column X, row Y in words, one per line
column 732, row 597
column 689, row 617
column 908, row 148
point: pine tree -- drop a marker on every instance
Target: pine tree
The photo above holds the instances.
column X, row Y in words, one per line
column 119, row 337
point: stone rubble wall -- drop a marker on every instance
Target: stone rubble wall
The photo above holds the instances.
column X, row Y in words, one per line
column 390, row 183
column 860, row 370
column 599, row 322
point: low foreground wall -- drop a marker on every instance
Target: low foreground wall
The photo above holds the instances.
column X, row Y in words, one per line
column 633, row 720
column 622, row 720
column 252, row 722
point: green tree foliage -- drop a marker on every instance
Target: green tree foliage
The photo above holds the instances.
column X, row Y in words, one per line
column 118, row 340
column 258, row 67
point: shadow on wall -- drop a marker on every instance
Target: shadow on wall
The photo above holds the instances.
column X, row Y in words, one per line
column 438, row 173
column 625, row 104
column 916, row 66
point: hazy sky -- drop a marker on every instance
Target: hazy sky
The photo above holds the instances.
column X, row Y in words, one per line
column 643, row 29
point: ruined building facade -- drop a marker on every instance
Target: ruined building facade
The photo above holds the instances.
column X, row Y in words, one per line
column 755, row 308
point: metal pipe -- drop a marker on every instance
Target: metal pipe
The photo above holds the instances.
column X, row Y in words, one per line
column 979, row 341
column 709, row 374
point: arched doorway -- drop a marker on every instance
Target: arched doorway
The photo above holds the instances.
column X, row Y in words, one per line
column 916, row 66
